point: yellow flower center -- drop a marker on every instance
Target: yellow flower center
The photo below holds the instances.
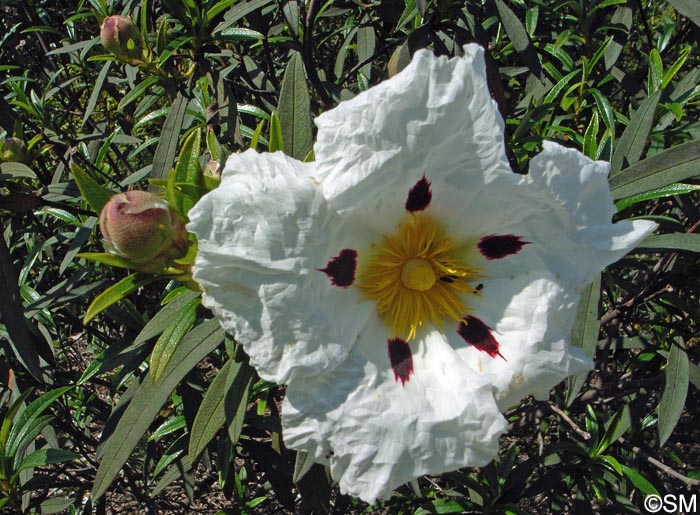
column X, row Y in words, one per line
column 417, row 274
column 414, row 276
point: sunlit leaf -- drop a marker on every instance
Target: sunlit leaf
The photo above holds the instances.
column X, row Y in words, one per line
column 675, row 390
column 294, row 110
column 148, row 399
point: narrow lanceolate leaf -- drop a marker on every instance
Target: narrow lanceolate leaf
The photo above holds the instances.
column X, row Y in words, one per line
column 45, row 457
column 212, row 412
column 666, row 191
column 276, row 140
column 366, row 41
column 95, row 194
column 237, row 401
column 673, row 165
column 639, row 481
column 167, row 146
column 162, row 319
column 168, row 341
column 584, row 334
column 631, row 144
column 149, row 398
column 675, row 390
column 32, row 412
column 107, row 259
column 295, row 110
column 670, row 242
column 590, row 144
column 521, row 40
column 605, row 109
column 187, row 171
column 115, row 293
column 12, row 312
column 97, row 88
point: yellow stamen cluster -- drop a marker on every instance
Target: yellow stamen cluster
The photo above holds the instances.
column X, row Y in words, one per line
column 414, row 278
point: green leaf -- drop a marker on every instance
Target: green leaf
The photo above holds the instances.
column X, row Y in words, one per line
column 675, row 390
column 670, row 242
column 521, row 41
column 584, row 334
column 116, row 293
column 366, row 41
column 169, row 136
column 32, row 412
column 236, row 34
column 137, row 93
column 167, row 343
column 605, row 109
column 149, row 398
column 590, row 144
column 162, row 319
column 276, row 139
column 616, row 427
column 237, row 402
column 169, row 426
column 22, row 342
column 211, row 415
column 45, row 457
column 106, row 259
column 631, row 144
column 640, row 482
column 8, row 417
column 96, row 90
column 17, row 170
column 673, row 165
column 670, row 74
column 656, row 70
column 294, row 110
column 95, row 194
column 666, row 191
column 187, row 171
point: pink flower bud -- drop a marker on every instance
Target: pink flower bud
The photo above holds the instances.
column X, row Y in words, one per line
column 120, row 36
column 143, row 228
column 13, row 150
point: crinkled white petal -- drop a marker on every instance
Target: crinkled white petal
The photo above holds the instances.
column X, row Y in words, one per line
column 564, row 209
column 436, row 118
column 376, row 433
column 262, row 236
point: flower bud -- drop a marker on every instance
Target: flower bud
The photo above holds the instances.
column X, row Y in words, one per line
column 143, row 228
column 120, row 36
column 13, row 150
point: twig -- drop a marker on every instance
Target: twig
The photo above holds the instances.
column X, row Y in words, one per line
column 583, row 434
column 661, row 466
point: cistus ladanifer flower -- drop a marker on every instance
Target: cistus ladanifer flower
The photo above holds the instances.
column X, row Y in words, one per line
column 121, row 37
column 143, row 228
column 407, row 286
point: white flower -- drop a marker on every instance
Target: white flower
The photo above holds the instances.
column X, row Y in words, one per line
column 407, row 286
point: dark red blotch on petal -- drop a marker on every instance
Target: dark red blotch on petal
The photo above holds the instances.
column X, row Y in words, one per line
column 497, row 246
column 419, row 196
column 478, row 334
column 401, row 359
column 341, row 269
